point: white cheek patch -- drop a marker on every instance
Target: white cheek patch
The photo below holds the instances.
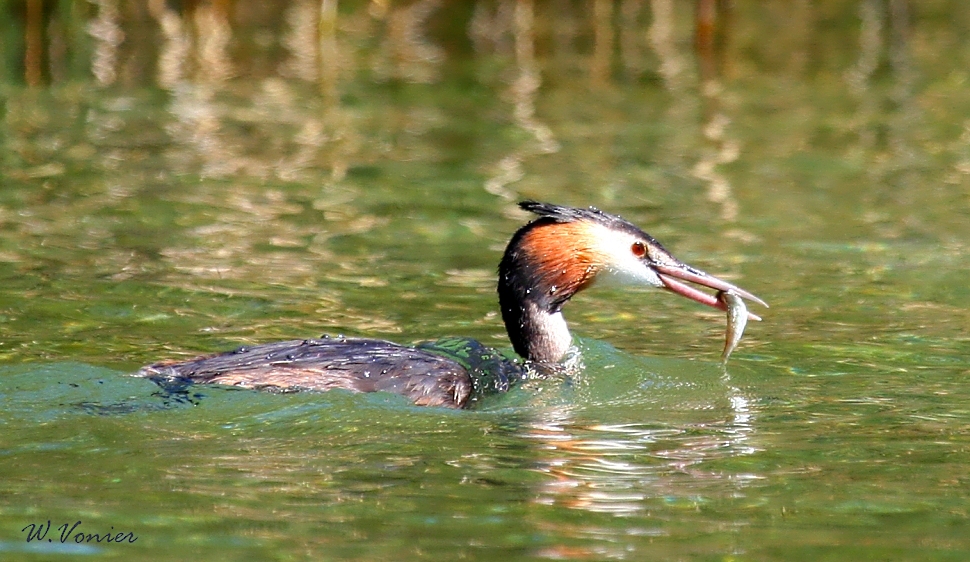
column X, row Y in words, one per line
column 620, row 265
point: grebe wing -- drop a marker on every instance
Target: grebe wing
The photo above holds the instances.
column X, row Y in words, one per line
column 360, row 365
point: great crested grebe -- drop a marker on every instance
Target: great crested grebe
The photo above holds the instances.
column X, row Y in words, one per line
column 550, row 259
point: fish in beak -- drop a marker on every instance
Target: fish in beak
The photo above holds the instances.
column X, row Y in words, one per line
column 672, row 276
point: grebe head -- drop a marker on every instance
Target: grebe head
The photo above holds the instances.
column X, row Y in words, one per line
column 566, row 250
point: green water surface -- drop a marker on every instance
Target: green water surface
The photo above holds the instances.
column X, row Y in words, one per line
column 178, row 182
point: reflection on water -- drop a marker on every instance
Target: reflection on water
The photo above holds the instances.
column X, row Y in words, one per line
column 213, row 34
column 663, row 40
column 108, row 35
column 229, row 120
column 710, row 37
column 624, row 468
column 174, row 51
column 601, row 63
column 405, row 52
column 522, row 92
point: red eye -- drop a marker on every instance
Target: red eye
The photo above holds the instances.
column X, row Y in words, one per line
column 639, row 249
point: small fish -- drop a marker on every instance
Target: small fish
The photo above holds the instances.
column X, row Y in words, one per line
column 737, row 319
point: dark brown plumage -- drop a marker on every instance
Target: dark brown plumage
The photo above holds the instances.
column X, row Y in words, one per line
column 359, row 365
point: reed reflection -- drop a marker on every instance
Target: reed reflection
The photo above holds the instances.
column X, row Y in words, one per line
column 523, row 93
column 678, row 77
column 405, row 51
column 176, row 44
column 33, row 42
column 108, row 35
column 600, row 64
column 712, row 27
column 326, row 136
column 885, row 138
column 632, row 39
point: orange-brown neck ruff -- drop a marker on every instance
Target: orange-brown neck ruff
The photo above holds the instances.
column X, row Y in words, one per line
column 545, row 264
column 561, row 259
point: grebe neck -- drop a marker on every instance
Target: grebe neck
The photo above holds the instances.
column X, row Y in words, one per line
column 539, row 272
column 537, row 333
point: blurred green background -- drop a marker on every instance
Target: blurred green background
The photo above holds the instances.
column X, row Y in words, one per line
column 180, row 177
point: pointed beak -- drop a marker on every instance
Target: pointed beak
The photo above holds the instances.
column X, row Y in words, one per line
column 672, row 275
